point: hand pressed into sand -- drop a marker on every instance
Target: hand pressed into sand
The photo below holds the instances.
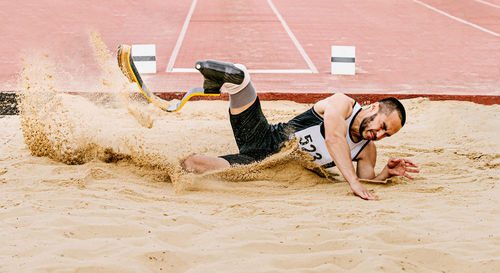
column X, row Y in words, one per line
column 401, row 167
column 361, row 191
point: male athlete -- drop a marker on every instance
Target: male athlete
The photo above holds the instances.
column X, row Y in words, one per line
column 335, row 131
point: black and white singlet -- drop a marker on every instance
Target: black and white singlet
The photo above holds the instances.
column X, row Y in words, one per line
column 312, row 136
column 257, row 139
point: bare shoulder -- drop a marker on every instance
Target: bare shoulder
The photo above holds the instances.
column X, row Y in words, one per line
column 338, row 101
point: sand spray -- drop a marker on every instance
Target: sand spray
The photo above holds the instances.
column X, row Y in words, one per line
column 75, row 130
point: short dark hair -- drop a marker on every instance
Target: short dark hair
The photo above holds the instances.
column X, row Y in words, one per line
column 390, row 104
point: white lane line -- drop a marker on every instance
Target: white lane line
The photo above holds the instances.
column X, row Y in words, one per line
column 457, row 19
column 254, row 71
column 178, row 45
column 281, row 71
column 295, row 41
column 488, row 3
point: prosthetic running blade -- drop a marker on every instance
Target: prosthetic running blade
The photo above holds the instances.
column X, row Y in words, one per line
column 127, row 66
column 198, row 91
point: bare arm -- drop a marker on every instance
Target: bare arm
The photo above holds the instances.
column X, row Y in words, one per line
column 338, row 108
column 394, row 167
column 366, row 162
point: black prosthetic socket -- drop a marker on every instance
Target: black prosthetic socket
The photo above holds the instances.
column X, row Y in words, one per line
column 217, row 73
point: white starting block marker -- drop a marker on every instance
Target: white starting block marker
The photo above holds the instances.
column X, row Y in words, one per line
column 144, row 57
column 343, row 58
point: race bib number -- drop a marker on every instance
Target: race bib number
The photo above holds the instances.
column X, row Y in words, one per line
column 306, row 144
column 312, row 142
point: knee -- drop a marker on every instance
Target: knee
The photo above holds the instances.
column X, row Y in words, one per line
column 192, row 164
column 202, row 163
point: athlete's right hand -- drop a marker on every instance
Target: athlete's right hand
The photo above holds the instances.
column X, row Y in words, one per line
column 362, row 192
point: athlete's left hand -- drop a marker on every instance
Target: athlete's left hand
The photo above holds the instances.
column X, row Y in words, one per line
column 401, row 167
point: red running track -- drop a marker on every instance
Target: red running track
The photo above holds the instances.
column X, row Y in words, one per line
column 444, row 49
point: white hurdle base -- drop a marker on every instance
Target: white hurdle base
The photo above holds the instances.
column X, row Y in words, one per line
column 343, row 60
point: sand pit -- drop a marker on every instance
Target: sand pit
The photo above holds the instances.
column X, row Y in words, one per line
column 88, row 187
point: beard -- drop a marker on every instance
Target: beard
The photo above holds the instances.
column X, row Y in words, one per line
column 364, row 123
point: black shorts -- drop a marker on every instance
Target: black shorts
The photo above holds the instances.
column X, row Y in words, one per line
column 256, row 139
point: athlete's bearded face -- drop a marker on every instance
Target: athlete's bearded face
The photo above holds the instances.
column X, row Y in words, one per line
column 379, row 126
column 364, row 124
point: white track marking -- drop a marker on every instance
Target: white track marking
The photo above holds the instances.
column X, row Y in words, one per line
column 488, row 3
column 253, row 71
column 178, row 45
column 280, row 71
column 457, row 19
column 175, row 52
column 295, row 41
